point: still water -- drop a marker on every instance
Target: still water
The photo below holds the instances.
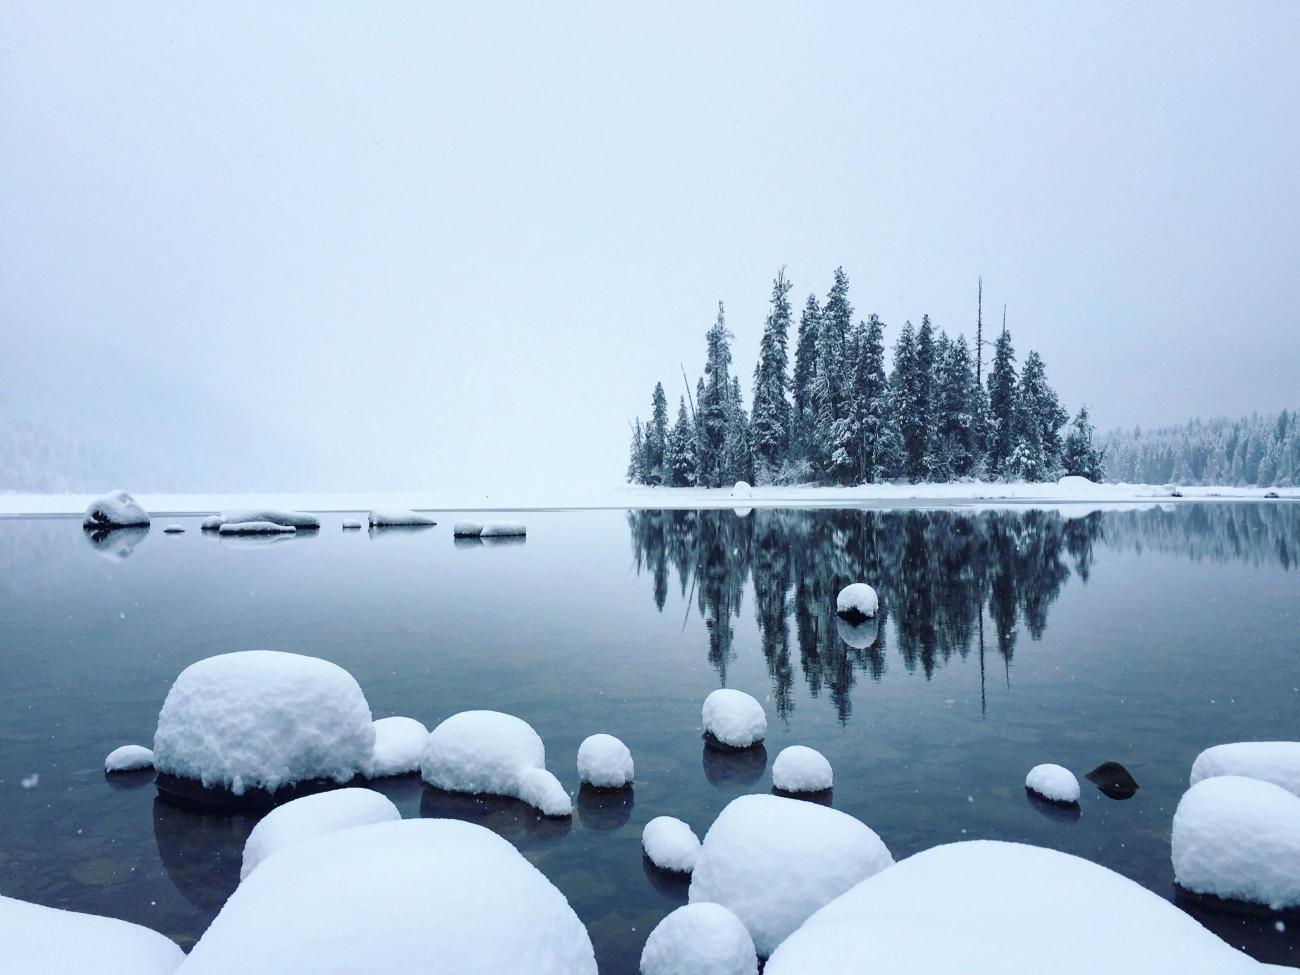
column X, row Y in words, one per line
column 1006, row 639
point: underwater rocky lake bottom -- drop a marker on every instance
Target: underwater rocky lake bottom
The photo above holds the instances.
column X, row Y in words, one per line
column 1006, row 638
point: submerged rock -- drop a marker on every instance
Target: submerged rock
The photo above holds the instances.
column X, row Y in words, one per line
column 1114, row 780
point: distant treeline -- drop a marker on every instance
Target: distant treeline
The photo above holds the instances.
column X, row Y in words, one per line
column 1257, row 450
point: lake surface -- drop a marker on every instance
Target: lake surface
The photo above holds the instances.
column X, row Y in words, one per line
column 1006, row 639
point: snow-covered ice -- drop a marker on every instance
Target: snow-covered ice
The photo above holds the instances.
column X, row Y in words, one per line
column 117, row 509
column 1239, row 839
column 604, row 762
column 801, row 769
column 398, row 518
column 315, row 815
column 670, row 844
column 699, row 939
column 351, row 524
column 1273, row 761
column 502, row 529
column 263, row 719
column 1053, row 782
column 256, row 528
column 128, row 758
column 399, row 744
column 174, row 530
column 467, row 529
column 857, row 601
column 734, row 718
column 742, row 490
column 276, row 516
column 773, row 861
column 419, row 896
column 1016, row 910
column 37, row 940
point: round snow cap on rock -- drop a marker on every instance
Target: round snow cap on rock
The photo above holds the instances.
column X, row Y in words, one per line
column 742, row 490
column 604, row 762
column 399, row 744
column 128, row 758
column 302, row 819
column 420, row 897
column 117, row 509
column 773, row 861
column 670, row 844
column 801, row 769
column 1053, row 783
column 487, row 752
column 734, row 718
column 1272, row 761
column 699, row 939
column 47, row 941
column 857, row 602
column 262, row 719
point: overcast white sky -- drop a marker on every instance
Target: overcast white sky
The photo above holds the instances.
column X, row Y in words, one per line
column 458, row 246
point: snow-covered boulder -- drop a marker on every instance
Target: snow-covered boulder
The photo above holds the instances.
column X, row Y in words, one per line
column 36, row 940
column 419, row 896
column 1053, row 783
column 351, row 524
column 277, row 516
column 604, row 762
column 256, row 528
column 699, row 939
column 399, row 744
column 801, row 769
column 670, row 844
column 502, row 529
column 773, row 861
column 742, row 490
column 467, row 529
column 398, row 518
column 174, row 530
column 1024, row 911
column 857, row 602
column 1273, row 761
column 117, row 509
column 734, row 718
column 316, row 815
column 128, row 758
column 1239, row 839
column 210, row 524
column 262, row 719
column 487, row 752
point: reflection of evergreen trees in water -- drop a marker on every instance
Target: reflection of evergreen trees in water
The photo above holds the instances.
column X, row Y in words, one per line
column 1259, row 534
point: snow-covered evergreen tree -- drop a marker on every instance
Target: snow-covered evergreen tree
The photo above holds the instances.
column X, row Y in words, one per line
column 656, row 436
column 873, row 444
column 636, row 461
column 1079, row 454
column 679, row 452
column 905, row 394
column 714, row 406
column 1002, row 406
column 737, row 457
column 831, row 436
column 801, row 385
column 956, row 412
column 1036, row 424
column 1258, row 449
column 771, row 413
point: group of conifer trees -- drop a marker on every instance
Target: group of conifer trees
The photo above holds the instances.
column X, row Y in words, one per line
column 838, row 417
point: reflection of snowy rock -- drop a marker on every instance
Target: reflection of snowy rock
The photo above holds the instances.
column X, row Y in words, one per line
column 857, row 602
column 418, row 896
column 502, row 529
column 699, row 939
column 467, row 529
column 256, row 528
column 1239, row 839
column 730, row 767
column 294, row 519
column 604, row 762
column 398, row 518
column 399, row 743
column 1024, row 911
column 602, row 810
column 670, row 844
column 263, row 719
column 302, row 819
column 734, row 718
column 115, row 544
column 128, row 758
column 1053, row 783
column 773, row 861
column 1272, row 761
column 117, row 509
column 742, row 490
column 45, row 941
column 801, row 769
column 859, row 636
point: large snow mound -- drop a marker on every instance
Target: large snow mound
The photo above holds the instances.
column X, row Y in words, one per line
column 277, row 516
column 128, row 758
column 420, row 897
column 734, row 718
column 316, row 815
column 502, row 529
column 117, row 509
column 670, row 844
column 399, row 744
column 773, row 861
column 605, row 762
column 857, row 601
column 1273, row 761
column 1239, row 839
column 263, row 719
column 395, row 517
column 256, row 528
column 742, row 490
column 1024, row 911
column 699, row 939
column 36, row 940
column 1053, row 782
column 801, row 769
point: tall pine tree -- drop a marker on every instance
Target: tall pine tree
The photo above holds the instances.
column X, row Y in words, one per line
column 1002, row 406
column 679, row 453
column 801, row 386
column 656, row 435
column 714, row 407
column 1080, row 454
column 771, row 413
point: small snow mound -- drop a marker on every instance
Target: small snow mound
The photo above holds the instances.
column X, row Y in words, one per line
column 1239, row 839
column 129, row 758
column 255, row 528
column 351, row 524
column 46, row 941
column 502, row 529
column 174, row 530
column 398, row 517
column 1076, row 483
column 734, row 718
column 117, row 509
column 1054, row 783
column 294, row 519
column 399, row 743
column 1272, row 761
column 316, row 815
column 801, row 769
column 742, row 490
column 211, row 523
column 543, row 791
column 699, row 939
column 604, row 762
column 467, row 529
column 857, row 602
column 670, row 844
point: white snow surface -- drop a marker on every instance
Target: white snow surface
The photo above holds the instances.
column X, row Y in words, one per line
column 351, row 524
column 399, row 744
column 314, row 815
column 1024, row 911
column 605, row 762
column 36, row 940
column 128, row 758
column 543, row 791
column 742, row 489
column 276, row 516
column 801, row 769
column 772, row 861
column 419, row 896
column 255, row 528
column 502, row 529
column 211, row 523
column 1053, row 782
column 734, row 718
column 263, row 719
column 1273, row 761
column 859, row 596
column 397, row 517
column 699, row 939
column 117, row 509
column 670, row 844
column 174, row 530
column 1239, row 839
column 467, row 529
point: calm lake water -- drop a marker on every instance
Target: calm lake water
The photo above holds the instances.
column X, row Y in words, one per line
column 1007, row 638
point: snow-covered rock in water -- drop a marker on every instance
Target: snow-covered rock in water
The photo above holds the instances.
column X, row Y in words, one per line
column 117, row 509
column 262, row 719
column 36, row 940
column 801, row 769
column 174, row 530
column 398, row 518
column 467, row 529
column 773, row 861
column 1239, row 839
column 488, row 753
column 502, row 529
column 742, row 490
column 1273, row 761
column 604, row 762
column 857, row 602
column 210, row 524
column 1024, row 911
column 419, row 896
column 1054, row 783
column 351, row 524
column 128, row 758
column 399, row 744
column 670, row 844
column 256, row 528
column 734, row 718
column 294, row 519
column 699, row 939
column 310, row 816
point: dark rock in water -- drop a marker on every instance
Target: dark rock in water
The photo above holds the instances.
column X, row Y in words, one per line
column 129, row 781
column 1114, row 780
column 602, row 810
column 853, row 616
column 192, row 794
column 1061, row 812
column 1199, row 905
column 728, row 767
